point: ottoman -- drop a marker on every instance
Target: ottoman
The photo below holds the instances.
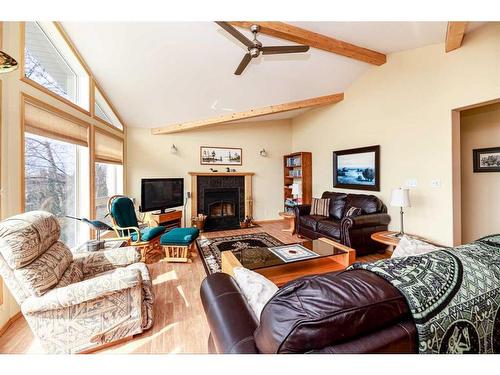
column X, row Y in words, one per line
column 177, row 244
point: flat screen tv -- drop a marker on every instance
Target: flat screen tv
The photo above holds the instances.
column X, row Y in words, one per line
column 161, row 193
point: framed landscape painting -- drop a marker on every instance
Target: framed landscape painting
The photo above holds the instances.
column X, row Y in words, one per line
column 220, row 156
column 486, row 159
column 357, row 168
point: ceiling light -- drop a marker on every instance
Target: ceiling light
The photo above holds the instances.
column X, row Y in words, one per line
column 7, row 63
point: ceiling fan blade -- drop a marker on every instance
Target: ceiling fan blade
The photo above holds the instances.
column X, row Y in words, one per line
column 283, row 49
column 231, row 30
column 243, row 64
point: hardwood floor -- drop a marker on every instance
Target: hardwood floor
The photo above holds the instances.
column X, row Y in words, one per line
column 180, row 325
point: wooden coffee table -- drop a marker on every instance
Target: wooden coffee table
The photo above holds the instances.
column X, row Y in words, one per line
column 332, row 257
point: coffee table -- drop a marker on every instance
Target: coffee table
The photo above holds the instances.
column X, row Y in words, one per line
column 332, row 257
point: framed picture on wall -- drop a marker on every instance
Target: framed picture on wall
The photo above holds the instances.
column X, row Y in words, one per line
column 357, row 168
column 486, row 159
column 220, row 156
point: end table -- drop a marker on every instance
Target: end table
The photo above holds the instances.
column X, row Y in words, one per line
column 289, row 217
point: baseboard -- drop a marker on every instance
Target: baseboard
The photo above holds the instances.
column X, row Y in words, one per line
column 268, row 221
column 11, row 321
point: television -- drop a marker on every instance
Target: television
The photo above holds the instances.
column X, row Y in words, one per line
column 161, row 193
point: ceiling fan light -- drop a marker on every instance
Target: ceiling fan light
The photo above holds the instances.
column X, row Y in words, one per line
column 7, row 63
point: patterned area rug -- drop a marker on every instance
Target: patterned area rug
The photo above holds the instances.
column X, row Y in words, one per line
column 210, row 248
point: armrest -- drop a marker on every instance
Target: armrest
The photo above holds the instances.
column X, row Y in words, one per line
column 129, row 229
column 302, row 209
column 364, row 221
column 84, row 291
column 106, row 260
column 231, row 321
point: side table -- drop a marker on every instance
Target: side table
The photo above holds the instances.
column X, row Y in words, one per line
column 289, row 218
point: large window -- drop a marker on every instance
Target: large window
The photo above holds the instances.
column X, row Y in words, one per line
column 49, row 62
column 108, row 182
column 103, row 111
column 55, row 182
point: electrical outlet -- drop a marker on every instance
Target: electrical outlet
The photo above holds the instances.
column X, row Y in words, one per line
column 435, row 183
column 411, row 183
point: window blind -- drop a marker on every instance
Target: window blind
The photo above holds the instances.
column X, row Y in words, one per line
column 108, row 148
column 47, row 123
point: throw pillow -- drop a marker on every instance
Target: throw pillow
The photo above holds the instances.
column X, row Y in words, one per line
column 353, row 211
column 320, row 207
column 408, row 246
column 255, row 287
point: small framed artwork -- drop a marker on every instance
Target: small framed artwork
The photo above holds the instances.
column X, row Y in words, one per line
column 220, row 156
column 357, row 168
column 486, row 159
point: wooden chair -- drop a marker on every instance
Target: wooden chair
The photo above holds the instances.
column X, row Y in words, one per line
column 125, row 224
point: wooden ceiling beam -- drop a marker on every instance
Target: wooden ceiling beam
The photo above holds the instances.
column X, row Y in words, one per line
column 257, row 112
column 298, row 35
column 455, row 32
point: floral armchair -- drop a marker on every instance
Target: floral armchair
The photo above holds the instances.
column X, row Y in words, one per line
column 73, row 303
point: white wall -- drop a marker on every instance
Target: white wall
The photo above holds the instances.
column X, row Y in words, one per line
column 405, row 107
column 479, row 128
column 149, row 156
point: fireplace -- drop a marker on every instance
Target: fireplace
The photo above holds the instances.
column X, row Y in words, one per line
column 222, row 207
column 222, row 199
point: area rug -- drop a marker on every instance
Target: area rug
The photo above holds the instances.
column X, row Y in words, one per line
column 210, row 249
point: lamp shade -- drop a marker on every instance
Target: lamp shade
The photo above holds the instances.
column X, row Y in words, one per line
column 296, row 189
column 400, row 198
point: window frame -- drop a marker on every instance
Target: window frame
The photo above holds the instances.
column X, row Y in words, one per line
column 65, row 39
column 94, row 208
column 89, row 189
column 96, row 88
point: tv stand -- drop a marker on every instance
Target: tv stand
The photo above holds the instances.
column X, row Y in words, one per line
column 170, row 219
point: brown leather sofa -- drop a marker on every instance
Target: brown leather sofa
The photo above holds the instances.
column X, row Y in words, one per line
column 354, row 232
column 340, row 312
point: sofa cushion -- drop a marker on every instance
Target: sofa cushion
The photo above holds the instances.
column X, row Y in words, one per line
column 337, row 203
column 180, row 236
column 147, row 234
column 73, row 274
column 320, row 207
column 313, row 312
column 370, row 204
column 23, row 238
column 310, row 221
column 329, row 228
column 45, row 272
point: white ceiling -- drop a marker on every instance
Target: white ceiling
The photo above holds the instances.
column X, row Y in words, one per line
column 162, row 73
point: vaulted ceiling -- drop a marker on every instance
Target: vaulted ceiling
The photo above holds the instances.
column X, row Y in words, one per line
column 161, row 73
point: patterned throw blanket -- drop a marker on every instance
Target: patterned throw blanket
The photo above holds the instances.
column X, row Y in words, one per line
column 453, row 295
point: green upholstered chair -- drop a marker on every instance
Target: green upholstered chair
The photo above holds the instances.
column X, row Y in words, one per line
column 125, row 224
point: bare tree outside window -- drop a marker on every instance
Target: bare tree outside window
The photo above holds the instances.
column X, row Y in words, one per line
column 108, row 182
column 50, row 181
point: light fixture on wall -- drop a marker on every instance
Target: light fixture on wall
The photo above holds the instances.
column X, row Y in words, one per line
column 400, row 198
column 263, row 153
column 7, row 63
column 173, row 149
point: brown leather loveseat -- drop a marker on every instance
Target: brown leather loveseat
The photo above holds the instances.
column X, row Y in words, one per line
column 353, row 231
column 340, row 312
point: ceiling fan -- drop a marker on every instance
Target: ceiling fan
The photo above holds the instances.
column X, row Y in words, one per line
column 255, row 47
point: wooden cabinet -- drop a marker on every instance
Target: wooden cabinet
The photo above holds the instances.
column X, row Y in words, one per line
column 297, row 170
column 170, row 220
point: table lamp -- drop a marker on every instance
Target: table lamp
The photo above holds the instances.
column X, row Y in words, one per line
column 400, row 198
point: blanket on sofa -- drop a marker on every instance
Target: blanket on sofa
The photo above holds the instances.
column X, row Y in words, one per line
column 453, row 295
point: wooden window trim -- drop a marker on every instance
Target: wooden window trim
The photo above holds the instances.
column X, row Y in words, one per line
column 96, row 86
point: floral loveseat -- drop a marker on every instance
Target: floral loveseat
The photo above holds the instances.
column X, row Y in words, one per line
column 73, row 303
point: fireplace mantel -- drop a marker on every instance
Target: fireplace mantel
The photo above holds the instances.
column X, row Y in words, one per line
column 248, row 189
column 221, row 173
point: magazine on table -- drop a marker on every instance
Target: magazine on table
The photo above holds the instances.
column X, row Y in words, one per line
column 293, row 253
